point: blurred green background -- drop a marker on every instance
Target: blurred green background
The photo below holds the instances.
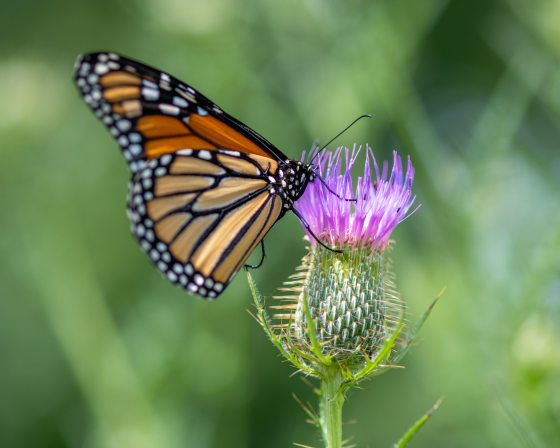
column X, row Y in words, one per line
column 97, row 350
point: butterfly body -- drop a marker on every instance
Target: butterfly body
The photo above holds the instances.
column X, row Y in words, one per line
column 205, row 188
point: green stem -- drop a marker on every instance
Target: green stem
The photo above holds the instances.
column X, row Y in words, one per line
column 332, row 400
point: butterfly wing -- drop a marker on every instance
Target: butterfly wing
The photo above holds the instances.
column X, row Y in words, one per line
column 198, row 214
column 150, row 113
column 201, row 196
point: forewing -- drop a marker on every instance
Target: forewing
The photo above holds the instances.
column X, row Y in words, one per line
column 199, row 214
column 150, row 113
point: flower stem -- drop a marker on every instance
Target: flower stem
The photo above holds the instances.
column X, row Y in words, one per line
column 332, row 400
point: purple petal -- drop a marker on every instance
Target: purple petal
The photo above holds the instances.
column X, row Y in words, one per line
column 381, row 203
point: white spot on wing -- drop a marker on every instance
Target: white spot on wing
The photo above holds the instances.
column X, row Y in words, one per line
column 134, row 137
column 205, row 155
column 199, row 279
column 181, row 102
column 169, row 109
column 84, row 69
column 231, row 153
column 150, row 94
column 149, row 84
column 123, row 125
column 146, row 183
column 101, row 69
column 135, row 149
column 165, row 159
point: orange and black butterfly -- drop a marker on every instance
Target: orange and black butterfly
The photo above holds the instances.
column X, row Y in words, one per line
column 205, row 188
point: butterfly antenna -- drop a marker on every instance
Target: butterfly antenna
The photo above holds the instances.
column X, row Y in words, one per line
column 338, row 135
column 325, row 146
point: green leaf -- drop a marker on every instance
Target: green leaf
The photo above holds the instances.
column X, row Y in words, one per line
column 417, row 425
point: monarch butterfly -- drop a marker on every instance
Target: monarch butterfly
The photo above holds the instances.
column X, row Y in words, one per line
column 205, row 188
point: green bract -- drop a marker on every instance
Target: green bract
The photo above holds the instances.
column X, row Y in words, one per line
column 351, row 299
column 338, row 309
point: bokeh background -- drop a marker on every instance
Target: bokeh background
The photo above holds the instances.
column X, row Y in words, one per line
column 97, row 350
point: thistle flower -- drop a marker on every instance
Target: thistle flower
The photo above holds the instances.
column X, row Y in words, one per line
column 351, row 297
column 340, row 318
column 380, row 204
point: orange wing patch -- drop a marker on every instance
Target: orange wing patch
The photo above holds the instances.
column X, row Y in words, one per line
column 157, row 126
column 192, row 165
column 222, row 135
column 235, row 259
column 150, row 114
column 166, row 134
column 202, row 132
column 206, row 256
column 159, row 207
column 128, row 109
column 170, row 226
column 242, row 166
column 159, row 147
column 172, row 185
column 119, row 79
column 121, row 93
column 229, row 190
column 184, row 244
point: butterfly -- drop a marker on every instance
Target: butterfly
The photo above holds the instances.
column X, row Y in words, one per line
column 205, row 188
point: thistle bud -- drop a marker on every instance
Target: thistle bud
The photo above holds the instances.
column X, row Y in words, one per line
column 351, row 300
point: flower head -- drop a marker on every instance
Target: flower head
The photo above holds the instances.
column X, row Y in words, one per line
column 343, row 306
column 380, row 204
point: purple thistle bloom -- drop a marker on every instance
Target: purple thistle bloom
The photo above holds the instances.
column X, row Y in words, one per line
column 381, row 203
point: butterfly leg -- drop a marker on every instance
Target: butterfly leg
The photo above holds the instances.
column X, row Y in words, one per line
column 306, row 225
column 259, row 264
